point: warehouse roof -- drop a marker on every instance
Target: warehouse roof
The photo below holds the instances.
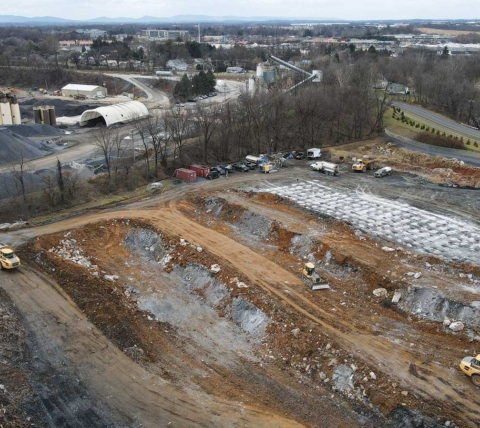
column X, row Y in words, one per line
column 117, row 113
column 75, row 87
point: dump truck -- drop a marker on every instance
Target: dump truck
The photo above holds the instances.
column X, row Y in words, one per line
column 362, row 165
column 311, row 278
column 471, row 367
column 8, row 259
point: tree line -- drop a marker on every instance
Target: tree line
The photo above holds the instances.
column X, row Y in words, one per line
column 200, row 84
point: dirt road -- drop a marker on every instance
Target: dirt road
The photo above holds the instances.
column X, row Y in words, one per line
column 127, row 394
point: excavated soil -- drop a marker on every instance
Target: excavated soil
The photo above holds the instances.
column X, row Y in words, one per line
column 157, row 310
column 206, row 293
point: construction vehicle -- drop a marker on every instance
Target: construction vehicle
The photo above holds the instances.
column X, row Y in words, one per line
column 471, row 367
column 42, row 91
column 314, row 153
column 328, row 168
column 8, row 259
column 362, row 165
column 310, row 277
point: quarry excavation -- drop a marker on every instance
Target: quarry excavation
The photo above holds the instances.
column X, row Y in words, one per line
column 251, row 301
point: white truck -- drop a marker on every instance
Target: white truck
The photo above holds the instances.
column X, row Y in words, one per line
column 314, row 153
column 328, row 168
column 8, row 259
column 382, row 172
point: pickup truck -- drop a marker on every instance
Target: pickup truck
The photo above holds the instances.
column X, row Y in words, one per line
column 8, row 259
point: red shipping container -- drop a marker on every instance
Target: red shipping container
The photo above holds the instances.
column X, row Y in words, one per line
column 186, row 174
column 202, row 171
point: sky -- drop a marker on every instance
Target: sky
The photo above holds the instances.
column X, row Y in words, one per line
column 341, row 9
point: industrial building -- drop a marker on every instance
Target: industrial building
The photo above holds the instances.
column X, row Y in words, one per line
column 117, row 113
column 87, row 90
column 164, row 34
column 235, row 70
column 177, row 64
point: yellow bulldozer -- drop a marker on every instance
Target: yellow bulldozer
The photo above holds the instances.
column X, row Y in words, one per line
column 471, row 367
column 310, row 277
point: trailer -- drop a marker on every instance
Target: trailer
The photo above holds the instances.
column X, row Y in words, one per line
column 186, row 175
column 202, row 171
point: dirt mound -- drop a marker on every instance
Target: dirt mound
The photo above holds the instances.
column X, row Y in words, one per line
column 14, row 146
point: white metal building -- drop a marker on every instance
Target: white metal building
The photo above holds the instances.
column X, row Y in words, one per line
column 87, row 90
column 116, row 113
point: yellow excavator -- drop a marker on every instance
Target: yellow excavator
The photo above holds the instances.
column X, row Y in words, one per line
column 310, row 277
column 471, row 367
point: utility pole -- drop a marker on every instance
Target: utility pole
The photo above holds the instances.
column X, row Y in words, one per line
column 199, row 32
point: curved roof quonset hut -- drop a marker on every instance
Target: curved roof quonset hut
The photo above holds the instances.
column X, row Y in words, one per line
column 116, row 113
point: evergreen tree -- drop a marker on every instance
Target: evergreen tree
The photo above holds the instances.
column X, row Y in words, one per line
column 212, row 82
column 182, row 89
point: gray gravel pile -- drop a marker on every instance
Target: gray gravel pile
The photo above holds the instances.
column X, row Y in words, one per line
column 35, row 130
column 13, row 147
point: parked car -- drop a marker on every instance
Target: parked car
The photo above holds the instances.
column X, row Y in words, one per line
column 300, row 155
column 228, row 168
column 212, row 175
column 382, row 172
column 192, row 100
column 251, row 165
column 241, row 167
column 219, row 169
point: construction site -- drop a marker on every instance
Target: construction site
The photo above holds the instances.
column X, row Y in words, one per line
column 288, row 299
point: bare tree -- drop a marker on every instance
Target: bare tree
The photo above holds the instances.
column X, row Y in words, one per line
column 72, row 183
column 50, row 187
column 159, row 137
column 177, row 125
column 19, row 173
column 142, row 131
column 104, row 140
column 120, row 149
column 206, row 124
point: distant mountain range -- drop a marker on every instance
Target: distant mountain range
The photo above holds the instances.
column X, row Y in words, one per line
column 187, row 19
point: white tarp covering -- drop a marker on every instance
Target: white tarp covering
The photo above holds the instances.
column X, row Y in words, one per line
column 117, row 113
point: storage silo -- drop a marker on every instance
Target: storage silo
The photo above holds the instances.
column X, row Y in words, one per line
column 37, row 114
column 251, row 85
column 259, row 71
column 269, row 76
column 53, row 117
column 15, row 110
column 45, row 115
column 5, row 111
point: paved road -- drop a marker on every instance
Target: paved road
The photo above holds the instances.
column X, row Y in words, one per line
column 154, row 97
column 438, row 119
